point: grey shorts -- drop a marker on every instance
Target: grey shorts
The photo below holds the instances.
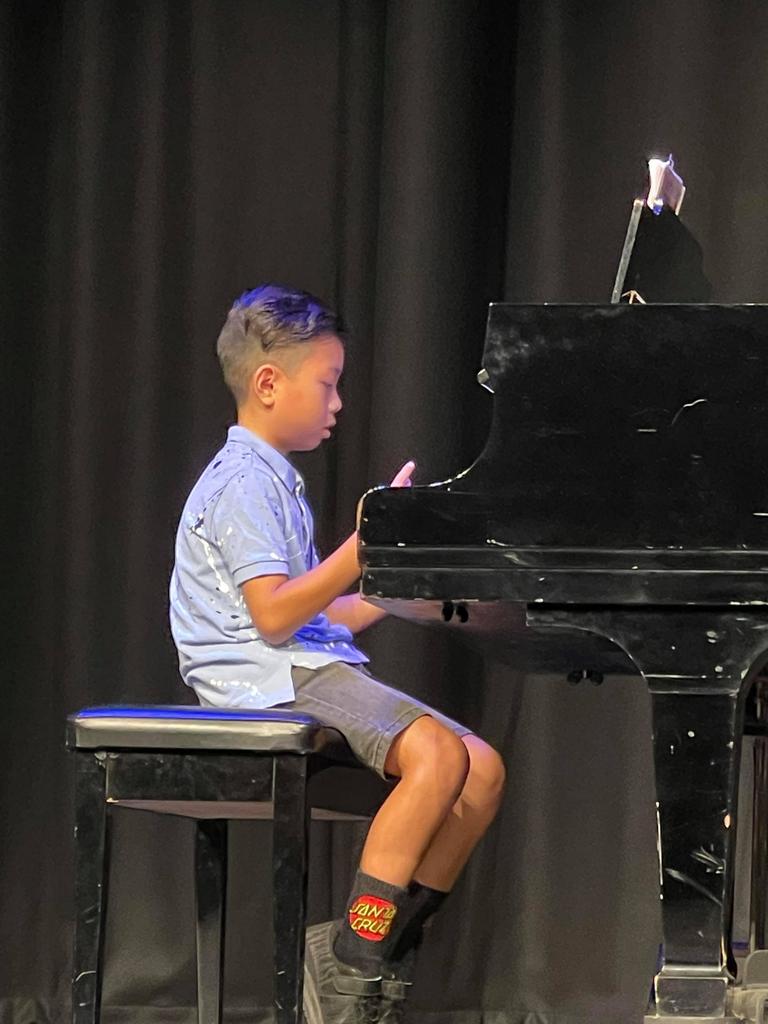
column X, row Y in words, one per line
column 368, row 713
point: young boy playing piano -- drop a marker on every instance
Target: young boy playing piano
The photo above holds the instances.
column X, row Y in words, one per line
column 260, row 621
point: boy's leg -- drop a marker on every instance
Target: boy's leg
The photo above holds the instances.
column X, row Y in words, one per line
column 423, row 835
column 432, row 764
column 468, row 820
column 444, row 774
column 450, row 848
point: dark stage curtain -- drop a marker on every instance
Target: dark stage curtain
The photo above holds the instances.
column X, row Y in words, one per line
column 410, row 161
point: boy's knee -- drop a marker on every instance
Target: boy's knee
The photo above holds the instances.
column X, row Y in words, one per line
column 431, row 748
column 487, row 772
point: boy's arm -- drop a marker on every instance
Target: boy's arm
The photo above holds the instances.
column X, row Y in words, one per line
column 279, row 606
column 353, row 612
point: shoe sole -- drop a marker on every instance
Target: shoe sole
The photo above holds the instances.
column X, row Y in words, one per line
column 311, row 1002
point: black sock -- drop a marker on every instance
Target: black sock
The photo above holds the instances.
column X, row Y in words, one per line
column 420, row 904
column 365, row 939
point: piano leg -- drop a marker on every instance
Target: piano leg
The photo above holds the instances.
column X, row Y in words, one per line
column 696, row 745
column 758, row 902
column 751, row 997
column 698, row 664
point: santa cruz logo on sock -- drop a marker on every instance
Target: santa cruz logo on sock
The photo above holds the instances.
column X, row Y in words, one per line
column 371, row 917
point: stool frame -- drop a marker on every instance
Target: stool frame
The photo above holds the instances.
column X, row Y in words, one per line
column 211, row 786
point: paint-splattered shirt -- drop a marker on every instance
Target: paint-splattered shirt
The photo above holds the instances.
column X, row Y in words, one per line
column 246, row 517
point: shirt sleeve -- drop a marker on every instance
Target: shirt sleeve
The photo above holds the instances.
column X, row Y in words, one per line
column 250, row 529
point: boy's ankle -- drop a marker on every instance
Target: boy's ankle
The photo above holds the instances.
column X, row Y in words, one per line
column 365, row 938
column 368, row 968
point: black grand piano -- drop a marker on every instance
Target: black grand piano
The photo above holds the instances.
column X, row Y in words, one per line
column 619, row 513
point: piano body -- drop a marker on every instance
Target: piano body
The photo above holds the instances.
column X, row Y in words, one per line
column 618, row 514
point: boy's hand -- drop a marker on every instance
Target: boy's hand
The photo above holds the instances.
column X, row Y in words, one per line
column 403, row 476
column 402, row 479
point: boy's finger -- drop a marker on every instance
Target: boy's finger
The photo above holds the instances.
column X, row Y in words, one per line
column 403, row 476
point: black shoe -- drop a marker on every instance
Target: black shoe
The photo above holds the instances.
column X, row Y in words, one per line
column 334, row 992
column 396, row 983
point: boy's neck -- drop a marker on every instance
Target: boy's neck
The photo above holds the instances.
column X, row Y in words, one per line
column 256, row 426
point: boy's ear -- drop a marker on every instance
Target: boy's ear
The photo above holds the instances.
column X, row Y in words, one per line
column 263, row 383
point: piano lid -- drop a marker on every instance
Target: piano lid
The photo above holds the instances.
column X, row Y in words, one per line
column 614, row 427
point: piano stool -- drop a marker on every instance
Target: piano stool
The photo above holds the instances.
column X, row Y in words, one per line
column 211, row 765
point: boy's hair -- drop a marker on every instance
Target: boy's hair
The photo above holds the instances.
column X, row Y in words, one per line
column 266, row 319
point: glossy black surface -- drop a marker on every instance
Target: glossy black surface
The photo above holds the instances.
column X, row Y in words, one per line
column 92, row 862
column 617, row 517
column 211, row 846
column 626, row 440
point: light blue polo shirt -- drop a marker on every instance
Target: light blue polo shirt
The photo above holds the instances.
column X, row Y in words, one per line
column 246, row 517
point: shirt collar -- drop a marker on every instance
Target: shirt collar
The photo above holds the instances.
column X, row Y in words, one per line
column 278, row 463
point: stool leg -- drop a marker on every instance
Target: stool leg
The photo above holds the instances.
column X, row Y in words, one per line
column 289, row 895
column 91, row 880
column 210, row 900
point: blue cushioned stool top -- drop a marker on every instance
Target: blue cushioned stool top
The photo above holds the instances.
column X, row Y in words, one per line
column 190, row 727
column 193, row 711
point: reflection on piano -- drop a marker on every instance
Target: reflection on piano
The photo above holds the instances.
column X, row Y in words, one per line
column 617, row 515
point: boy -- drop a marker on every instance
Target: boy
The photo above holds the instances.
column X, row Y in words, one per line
column 260, row 621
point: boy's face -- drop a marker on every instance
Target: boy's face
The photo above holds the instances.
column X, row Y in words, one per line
column 307, row 399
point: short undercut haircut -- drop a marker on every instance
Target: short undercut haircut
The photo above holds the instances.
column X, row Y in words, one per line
column 265, row 320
